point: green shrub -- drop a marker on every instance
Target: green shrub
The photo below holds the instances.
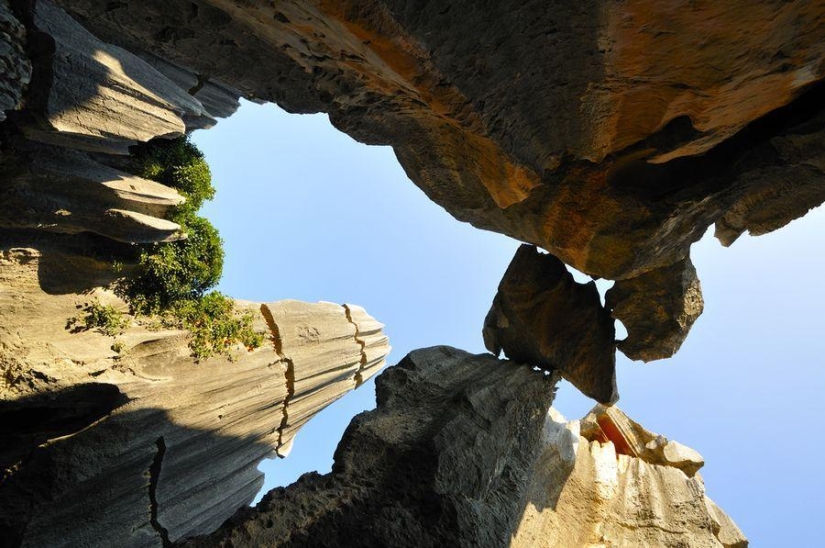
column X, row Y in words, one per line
column 176, row 163
column 173, row 279
column 216, row 325
column 104, row 317
column 175, row 271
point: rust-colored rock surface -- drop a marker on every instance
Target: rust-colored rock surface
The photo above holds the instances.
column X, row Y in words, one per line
column 543, row 318
column 610, row 134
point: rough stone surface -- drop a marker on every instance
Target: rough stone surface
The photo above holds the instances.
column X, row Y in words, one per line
column 92, row 95
column 443, row 460
column 585, row 492
column 15, row 68
column 59, row 190
column 610, row 424
column 542, row 317
column 601, row 132
column 145, row 446
column 658, row 309
column 219, row 100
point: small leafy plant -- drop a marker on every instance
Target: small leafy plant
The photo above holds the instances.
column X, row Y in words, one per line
column 106, row 318
column 216, row 325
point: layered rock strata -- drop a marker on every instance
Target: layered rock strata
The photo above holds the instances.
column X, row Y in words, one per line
column 444, row 460
column 71, row 94
column 604, row 485
column 126, row 440
column 542, row 317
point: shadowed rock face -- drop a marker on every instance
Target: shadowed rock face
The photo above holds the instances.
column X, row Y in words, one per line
column 658, row 309
column 443, row 460
column 612, row 134
column 414, row 474
column 542, row 317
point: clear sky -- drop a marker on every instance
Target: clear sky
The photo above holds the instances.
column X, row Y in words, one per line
column 307, row 213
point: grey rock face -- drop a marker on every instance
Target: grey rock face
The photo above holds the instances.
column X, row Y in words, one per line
column 100, row 97
column 573, row 128
column 59, row 190
column 542, row 317
column 444, row 460
column 658, row 309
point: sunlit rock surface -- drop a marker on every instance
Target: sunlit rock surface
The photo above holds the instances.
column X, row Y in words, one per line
column 126, row 440
column 461, row 473
column 602, row 132
column 597, row 483
column 93, row 95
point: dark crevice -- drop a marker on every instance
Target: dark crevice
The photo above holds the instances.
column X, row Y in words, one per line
column 718, row 168
column 359, row 379
column 27, row 423
column 154, row 477
column 202, row 81
column 289, row 375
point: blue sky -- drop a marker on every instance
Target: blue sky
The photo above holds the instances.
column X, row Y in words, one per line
column 307, row 213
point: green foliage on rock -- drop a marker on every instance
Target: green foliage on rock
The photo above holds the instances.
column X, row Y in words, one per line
column 106, row 318
column 216, row 324
column 173, row 279
column 176, row 271
column 176, row 163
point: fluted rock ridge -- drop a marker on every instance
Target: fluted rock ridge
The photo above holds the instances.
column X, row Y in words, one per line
column 127, row 441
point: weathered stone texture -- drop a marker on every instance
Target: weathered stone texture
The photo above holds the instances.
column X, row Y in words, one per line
column 59, row 190
column 15, row 67
column 542, row 317
column 585, row 492
column 443, row 460
column 99, row 97
column 658, row 310
column 610, row 145
column 106, row 448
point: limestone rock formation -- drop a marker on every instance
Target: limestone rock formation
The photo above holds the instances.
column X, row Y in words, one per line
column 586, row 490
column 95, row 96
column 411, row 474
column 542, row 317
column 126, row 440
column 218, row 99
column 602, row 132
column 59, row 190
column 658, row 309
column 443, row 460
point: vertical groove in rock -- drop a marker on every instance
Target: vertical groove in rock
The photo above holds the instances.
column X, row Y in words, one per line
column 359, row 378
column 154, row 477
column 289, row 375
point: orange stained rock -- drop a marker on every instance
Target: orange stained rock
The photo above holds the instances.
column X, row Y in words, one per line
column 507, row 181
column 721, row 64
